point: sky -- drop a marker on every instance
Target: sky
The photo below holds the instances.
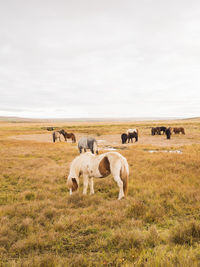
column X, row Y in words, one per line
column 99, row 58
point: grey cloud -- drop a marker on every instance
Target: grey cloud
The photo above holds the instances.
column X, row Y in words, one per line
column 99, row 58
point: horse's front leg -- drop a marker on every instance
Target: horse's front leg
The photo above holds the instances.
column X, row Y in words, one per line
column 91, row 182
column 85, row 184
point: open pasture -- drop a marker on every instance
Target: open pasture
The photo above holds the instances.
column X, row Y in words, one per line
column 157, row 225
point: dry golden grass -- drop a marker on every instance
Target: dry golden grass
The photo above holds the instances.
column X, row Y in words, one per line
column 157, row 225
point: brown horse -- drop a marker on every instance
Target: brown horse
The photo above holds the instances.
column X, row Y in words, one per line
column 179, row 130
column 68, row 135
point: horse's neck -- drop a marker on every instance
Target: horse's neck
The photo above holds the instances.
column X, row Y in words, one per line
column 76, row 169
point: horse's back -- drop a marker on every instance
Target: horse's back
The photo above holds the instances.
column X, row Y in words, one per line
column 82, row 142
column 85, row 142
column 114, row 156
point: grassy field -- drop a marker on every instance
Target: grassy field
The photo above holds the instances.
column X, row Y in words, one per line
column 41, row 225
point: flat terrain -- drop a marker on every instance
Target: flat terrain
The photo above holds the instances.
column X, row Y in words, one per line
column 115, row 140
column 157, row 225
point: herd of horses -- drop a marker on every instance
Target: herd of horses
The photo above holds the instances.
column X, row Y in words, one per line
column 89, row 142
column 90, row 165
column 168, row 131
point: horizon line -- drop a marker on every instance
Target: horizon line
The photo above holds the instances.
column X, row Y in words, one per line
column 98, row 118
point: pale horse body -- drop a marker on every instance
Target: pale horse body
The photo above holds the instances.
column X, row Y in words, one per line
column 88, row 142
column 132, row 131
column 99, row 166
column 56, row 135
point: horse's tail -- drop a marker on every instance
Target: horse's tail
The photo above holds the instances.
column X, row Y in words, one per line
column 95, row 147
column 124, row 173
column 54, row 137
column 72, row 183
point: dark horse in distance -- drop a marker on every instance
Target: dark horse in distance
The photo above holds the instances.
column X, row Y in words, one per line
column 68, row 135
column 129, row 137
column 179, row 130
column 158, row 130
column 124, row 138
column 168, row 133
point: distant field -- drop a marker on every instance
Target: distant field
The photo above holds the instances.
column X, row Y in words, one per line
column 157, row 225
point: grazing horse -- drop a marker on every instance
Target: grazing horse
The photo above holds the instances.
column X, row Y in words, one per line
column 168, row 133
column 99, row 166
column 56, row 135
column 179, row 130
column 155, row 130
column 88, row 143
column 131, row 136
column 68, row 135
column 163, row 129
column 124, row 138
column 132, row 133
column 50, row 128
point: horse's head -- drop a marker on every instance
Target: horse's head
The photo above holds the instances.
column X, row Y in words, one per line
column 63, row 133
column 72, row 183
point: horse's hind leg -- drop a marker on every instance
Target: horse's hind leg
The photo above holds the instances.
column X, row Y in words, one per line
column 91, row 183
column 118, row 180
column 120, row 185
column 85, row 184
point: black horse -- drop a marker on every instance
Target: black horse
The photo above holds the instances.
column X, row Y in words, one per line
column 50, row 128
column 131, row 136
column 158, row 130
column 163, row 129
column 168, row 133
column 155, row 130
column 124, row 138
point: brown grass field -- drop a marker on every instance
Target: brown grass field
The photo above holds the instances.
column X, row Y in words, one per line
column 157, row 225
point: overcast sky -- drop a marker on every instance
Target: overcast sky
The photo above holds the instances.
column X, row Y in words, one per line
column 99, row 58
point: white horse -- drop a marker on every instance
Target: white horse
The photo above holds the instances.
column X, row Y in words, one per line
column 99, row 166
column 56, row 135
